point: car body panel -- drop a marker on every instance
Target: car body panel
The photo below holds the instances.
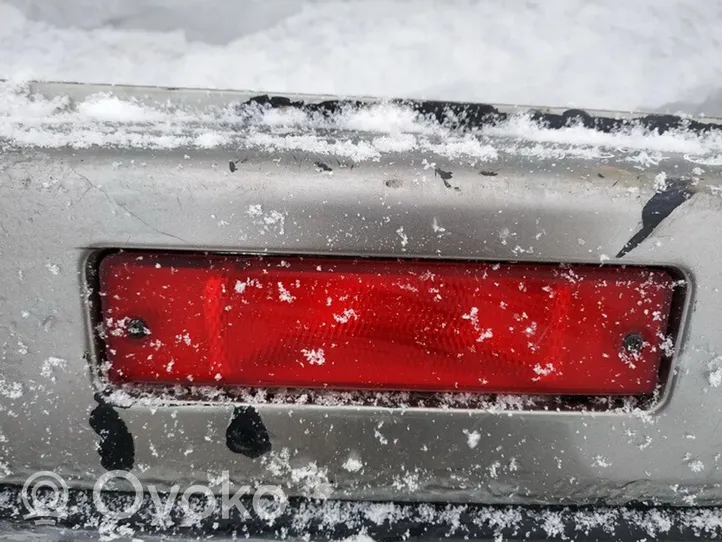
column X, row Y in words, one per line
column 62, row 206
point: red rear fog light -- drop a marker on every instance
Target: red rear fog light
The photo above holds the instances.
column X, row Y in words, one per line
column 382, row 324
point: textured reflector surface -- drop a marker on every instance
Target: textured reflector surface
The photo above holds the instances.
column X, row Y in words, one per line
column 382, row 324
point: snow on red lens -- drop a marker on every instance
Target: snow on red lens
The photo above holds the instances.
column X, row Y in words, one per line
column 360, row 324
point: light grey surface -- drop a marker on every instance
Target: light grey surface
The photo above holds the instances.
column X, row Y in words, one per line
column 59, row 204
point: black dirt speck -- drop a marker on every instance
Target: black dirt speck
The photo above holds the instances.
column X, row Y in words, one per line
column 445, row 176
column 323, row 167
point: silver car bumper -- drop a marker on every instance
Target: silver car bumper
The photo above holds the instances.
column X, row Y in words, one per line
column 547, row 201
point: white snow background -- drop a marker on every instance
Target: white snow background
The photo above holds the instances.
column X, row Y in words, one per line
column 645, row 55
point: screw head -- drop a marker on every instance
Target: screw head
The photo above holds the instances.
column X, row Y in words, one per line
column 137, row 329
column 633, row 343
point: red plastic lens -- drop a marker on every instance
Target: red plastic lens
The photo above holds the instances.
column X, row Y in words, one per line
column 382, row 324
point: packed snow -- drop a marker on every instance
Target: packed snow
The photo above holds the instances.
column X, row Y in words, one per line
column 30, row 119
column 646, row 55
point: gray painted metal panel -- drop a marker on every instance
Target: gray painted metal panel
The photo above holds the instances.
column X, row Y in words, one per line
column 58, row 205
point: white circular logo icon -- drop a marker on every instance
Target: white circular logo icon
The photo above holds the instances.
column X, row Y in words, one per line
column 45, row 495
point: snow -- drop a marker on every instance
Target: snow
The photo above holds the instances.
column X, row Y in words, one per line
column 268, row 221
column 353, row 464
column 660, row 182
column 489, row 52
column 314, row 357
column 714, row 372
column 284, row 295
column 315, row 520
column 11, row 390
column 577, row 53
column 28, row 119
column 345, row 316
column 50, row 365
column 600, row 461
column 309, row 478
column 472, row 438
column 404, row 238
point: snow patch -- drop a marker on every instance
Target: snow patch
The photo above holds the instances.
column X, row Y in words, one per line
column 50, row 365
column 27, row 119
column 602, row 462
column 714, row 372
column 404, row 238
column 11, row 390
column 314, row 357
column 309, row 478
column 660, row 182
column 284, row 295
column 472, row 438
column 353, row 464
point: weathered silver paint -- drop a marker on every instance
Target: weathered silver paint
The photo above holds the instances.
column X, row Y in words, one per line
column 58, row 206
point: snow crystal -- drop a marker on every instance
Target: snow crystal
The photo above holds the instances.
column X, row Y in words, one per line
column 209, row 140
column 344, row 317
column 50, row 365
column 473, row 317
column 381, row 438
column 714, row 372
column 255, row 211
column 311, row 479
column 472, row 438
column 600, row 461
column 284, row 295
column 544, row 370
column 715, row 377
column 314, row 357
column 553, row 524
column 404, row 238
column 660, row 182
column 271, row 221
column 355, row 151
column 645, row 159
column 22, row 348
column 11, row 390
column 436, row 227
column 104, row 107
column 382, row 118
column 396, row 143
column 353, row 464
